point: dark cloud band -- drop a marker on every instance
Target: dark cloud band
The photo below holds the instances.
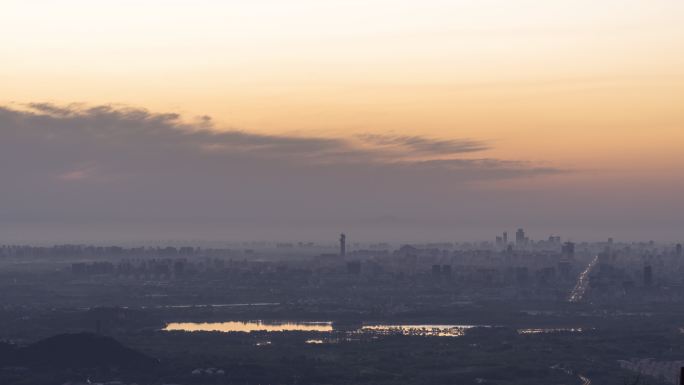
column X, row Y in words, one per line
column 117, row 162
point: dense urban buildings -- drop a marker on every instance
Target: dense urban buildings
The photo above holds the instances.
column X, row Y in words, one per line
column 309, row 300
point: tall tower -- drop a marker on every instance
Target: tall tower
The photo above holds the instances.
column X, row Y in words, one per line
column 520, row 237
column 568, row 250
column 343, row 245
column 505, row 238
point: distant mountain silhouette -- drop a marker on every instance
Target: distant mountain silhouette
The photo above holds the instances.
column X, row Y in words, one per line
column 83, row 350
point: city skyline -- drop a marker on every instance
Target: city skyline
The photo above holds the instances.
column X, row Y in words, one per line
column 368, row 192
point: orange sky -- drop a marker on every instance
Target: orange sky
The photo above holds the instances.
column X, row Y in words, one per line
column 591, row 86
column 570, row 82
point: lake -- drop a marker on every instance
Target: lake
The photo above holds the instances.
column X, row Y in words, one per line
column 324, row 327
column 426, row 330
column 249, row 326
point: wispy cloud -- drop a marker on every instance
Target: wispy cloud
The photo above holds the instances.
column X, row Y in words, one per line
column 418, row 145
column 80, row 161
column 96, row 133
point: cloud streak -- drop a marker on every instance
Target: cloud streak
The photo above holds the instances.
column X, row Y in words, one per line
column 101, row 134
column 95, row 163
column 418, row 145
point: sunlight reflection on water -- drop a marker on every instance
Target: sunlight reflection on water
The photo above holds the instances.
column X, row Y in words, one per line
column 262, row 326
column 420, row 330
column 249, row 326
column 425, row 330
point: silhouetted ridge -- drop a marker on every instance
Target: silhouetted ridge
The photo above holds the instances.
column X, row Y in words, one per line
column 80, row 351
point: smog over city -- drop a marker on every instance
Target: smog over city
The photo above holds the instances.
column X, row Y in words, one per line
column 302, row 192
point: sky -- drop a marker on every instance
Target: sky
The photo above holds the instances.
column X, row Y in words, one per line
column 300, row 119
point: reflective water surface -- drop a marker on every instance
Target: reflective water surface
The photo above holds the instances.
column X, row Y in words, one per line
column 263, row 326
column 426, row 330
column 315, row 341
column 420, row 330
column 550, row 330
column 249, row 326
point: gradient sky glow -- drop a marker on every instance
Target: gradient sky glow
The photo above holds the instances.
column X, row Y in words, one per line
column 593, row 90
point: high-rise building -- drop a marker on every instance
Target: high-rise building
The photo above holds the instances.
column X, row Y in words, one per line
column 520, row 237
column 554, row 239
column 678, row 249
column 568, row 250
column 505, row 237
column 343, row 245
